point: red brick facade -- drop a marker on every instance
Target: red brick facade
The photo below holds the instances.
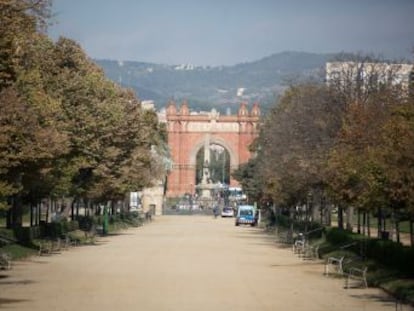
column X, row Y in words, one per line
column 187, row 134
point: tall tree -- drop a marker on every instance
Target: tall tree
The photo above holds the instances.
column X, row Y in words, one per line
column 398, row 159
column 19, row 21
column 294, row 143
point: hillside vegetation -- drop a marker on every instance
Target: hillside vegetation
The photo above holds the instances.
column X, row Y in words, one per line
column 207, row 87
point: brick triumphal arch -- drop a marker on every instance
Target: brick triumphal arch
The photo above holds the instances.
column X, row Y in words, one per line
column 189, row 132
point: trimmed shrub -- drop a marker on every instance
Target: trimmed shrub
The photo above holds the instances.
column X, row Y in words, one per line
column 86, row 222
column 390, row 254
column 60, row 228
column 283, row 221
column 393, row 255
column 70, row 225
column 338, row 236
column 316, row 229
column 25, row 235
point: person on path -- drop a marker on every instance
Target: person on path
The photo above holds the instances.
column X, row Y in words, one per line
column 215, row 211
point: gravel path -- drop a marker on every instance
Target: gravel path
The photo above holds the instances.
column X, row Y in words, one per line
column 181, row 263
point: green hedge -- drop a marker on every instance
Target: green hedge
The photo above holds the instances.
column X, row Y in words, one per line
column 25, row 235
column 59, row 229
column 301, row 226
column 87, row 222
column 391, row 254
column 338, row 236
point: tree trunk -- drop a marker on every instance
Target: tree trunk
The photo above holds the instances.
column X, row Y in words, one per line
column 359, row 221
column 340, row 217
column 397, row 229
column 77, row 208
column 47, row 211
column 113, row 211
column 393, row 221
column 328, row 215
column 379, row 222
column 9, row 218
column 31, row 215
column 15, row 213
column 349, row 218
column 86, row 206
column 38, row 213
column 411, row 232
column 364, row 222
column 368, row 224
column 66, row 207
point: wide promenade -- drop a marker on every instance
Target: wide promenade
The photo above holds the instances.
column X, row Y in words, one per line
column 192, row 263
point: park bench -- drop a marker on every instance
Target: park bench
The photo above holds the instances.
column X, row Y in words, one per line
column 334, row 264
column 5, row 261
column 79, row 237
column 90, row 236
column 304, row 249
column 311, row 252
column 358, row 275
column 284, row 237
column 298, row 247
column 45, row 247
column 56, row 245
column 48, row 247
column 66, row 242
column 73, row 238
column 337, row 263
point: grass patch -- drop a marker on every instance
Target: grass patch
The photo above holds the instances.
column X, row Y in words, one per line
column 404, row 225
column 17, row 251
column 403, row 289
column 7, row 233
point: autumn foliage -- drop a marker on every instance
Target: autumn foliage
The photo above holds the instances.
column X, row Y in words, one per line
column 346, row 146
column 65, row 129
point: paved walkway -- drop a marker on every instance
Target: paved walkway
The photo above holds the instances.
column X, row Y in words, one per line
column 181, row 263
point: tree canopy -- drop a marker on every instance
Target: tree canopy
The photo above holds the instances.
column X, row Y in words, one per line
column 65, row 129
column 350, row 139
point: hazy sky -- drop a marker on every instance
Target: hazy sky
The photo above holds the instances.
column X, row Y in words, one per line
column 226, row 32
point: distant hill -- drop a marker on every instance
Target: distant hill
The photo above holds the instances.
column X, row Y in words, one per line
column 220, row 87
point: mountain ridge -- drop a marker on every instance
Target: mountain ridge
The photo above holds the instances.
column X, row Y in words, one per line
column 221, row 87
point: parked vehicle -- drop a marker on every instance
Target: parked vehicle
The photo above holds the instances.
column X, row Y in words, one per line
column 227, row 212
column 236, row 194
column 246, row 215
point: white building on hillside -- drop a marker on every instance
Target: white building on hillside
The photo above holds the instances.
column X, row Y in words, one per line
column 343, row 73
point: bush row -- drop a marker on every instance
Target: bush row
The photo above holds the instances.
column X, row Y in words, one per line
column 391, row 254
column 25, row 235
column 53, row 230
column 313, row 230
column 58, row 229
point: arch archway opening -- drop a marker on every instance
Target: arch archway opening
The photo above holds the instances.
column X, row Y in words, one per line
column 215, row 163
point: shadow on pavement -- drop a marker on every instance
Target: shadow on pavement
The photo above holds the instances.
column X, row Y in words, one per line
column 4, row 301
column 21, row 282
column 386, row 300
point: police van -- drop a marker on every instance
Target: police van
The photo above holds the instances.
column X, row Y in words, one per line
column 246, row 215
